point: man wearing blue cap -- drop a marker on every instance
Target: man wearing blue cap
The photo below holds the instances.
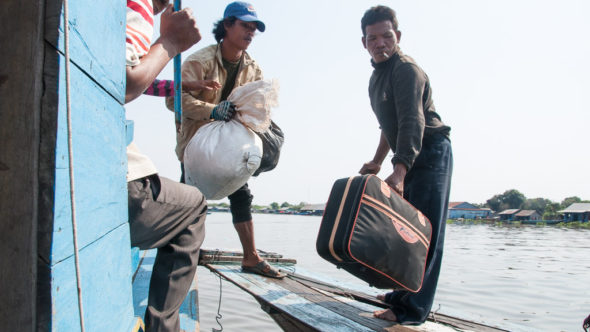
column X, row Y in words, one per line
column 228, row 63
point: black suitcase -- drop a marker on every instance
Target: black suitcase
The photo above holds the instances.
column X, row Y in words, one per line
column 373, row 233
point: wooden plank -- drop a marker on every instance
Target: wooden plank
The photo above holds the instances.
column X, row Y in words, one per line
column 219, row 252
column 346, row 307
column 337, row 290
column 106, row 292
column 464, row 324
column 294, row 305
column 21, row 82
column 370, row 303
column 97, row 40
column 207, row 256
column 189, row 310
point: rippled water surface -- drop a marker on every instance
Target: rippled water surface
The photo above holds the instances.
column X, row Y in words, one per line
column 522, row 278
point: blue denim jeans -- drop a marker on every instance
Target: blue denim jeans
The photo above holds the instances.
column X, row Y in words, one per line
column 426, row 187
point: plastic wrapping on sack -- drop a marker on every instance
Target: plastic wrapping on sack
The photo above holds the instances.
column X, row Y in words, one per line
column 272, row 141
column 254, row 101
column 221, row 157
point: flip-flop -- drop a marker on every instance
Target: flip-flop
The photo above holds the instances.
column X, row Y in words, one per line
column 264, row 269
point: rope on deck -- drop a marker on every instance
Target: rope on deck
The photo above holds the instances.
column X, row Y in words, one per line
column 71, row 163
column 218, row 316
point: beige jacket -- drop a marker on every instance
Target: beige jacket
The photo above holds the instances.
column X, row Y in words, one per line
column 206, row 64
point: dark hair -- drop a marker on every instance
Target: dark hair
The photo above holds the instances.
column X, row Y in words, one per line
column 219, row 27
column 379, row 14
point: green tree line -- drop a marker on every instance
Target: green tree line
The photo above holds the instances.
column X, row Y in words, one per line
column 271, row 206
column 514, row 199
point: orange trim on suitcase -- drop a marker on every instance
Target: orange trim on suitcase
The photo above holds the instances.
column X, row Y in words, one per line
column 337, row 221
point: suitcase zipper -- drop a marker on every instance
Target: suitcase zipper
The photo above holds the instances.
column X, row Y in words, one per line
column 337, row 221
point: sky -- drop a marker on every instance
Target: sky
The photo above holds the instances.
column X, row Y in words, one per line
column 511, row 78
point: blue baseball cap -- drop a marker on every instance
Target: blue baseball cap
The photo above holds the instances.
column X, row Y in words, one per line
column 245, row 12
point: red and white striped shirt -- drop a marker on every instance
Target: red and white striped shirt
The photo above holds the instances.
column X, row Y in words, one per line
column 140, row 29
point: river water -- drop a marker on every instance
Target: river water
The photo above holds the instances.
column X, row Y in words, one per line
column 520, row 278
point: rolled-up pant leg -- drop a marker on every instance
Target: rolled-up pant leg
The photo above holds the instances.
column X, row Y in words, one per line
column 169, row 216
column 240, row 204
column 427, row 187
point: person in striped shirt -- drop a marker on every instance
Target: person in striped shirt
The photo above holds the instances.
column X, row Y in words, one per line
column 139, row 31
column 163, row 214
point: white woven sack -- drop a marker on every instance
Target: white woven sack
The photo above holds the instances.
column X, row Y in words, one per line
column 221, row 157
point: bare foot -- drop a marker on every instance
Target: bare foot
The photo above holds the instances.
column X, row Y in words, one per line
column 385, row 314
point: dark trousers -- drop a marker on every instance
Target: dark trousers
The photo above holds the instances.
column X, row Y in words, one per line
column 427, row 186
column 169, row 216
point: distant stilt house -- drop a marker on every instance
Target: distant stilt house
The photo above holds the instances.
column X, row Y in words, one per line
column 467, row 210
column 314, row 209
column 576, row 212
column 527, row 215
column 508, row 215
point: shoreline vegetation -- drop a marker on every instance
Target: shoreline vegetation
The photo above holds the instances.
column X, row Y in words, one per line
column 510, row 199
column 274, row 208
column 515, row 223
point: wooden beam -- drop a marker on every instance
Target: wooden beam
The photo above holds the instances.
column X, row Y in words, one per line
column 21, row 75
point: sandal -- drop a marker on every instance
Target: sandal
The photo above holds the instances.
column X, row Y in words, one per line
column 264, row 269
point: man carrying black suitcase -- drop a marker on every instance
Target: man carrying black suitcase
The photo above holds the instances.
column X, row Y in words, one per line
column 401, row 99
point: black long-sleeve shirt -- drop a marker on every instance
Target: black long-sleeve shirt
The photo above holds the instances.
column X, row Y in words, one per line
column 401, row 98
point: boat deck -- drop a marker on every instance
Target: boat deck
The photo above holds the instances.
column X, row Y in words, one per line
column 301, row 302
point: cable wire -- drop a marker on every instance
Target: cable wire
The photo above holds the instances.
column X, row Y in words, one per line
column 71, row 163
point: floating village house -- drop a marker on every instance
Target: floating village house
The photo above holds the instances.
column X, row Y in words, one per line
column 508, row 215
column 519, row 215
column 467, row 210
column 314, row 209
column 527, row 215
column 576, row 212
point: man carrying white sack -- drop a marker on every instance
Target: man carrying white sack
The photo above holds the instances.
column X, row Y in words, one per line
column 228, row 63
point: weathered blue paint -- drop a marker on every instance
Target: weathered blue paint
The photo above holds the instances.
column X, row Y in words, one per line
column 106, row 292
column 135, row 259
column 99, row 165
column 129, row 129
column 97, row 51
column 189, row 313
column 97, row 42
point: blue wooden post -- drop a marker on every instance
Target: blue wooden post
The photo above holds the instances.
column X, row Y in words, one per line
column 177, row 78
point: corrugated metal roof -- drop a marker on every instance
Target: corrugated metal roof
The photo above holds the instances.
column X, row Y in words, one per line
column 526, row 213
column 453, row 204
column 461, row 205
column 509, row 211
column 576, row 208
